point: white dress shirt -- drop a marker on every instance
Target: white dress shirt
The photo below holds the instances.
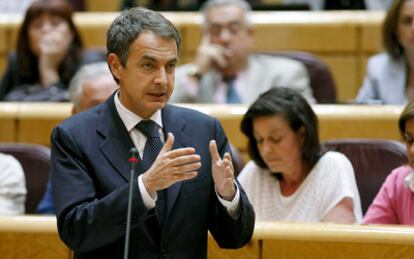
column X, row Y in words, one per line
column 130, row 120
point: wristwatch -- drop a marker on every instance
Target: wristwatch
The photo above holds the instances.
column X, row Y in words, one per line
column 194, row 71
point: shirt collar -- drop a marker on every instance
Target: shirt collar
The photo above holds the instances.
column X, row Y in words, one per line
column 131, row 119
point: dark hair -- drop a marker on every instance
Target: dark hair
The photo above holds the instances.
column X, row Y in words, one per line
column 26, row 59
column 406, row 114
column 295, row 110
column 389, row 30
column 127, row 27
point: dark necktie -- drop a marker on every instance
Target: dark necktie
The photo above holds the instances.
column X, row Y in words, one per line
column 232, row 96
column 152, row 148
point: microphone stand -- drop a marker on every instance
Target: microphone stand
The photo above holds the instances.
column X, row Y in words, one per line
column 133, row 160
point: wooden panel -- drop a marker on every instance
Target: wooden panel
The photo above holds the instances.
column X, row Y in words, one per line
column 37, row 237
column 294, row 31
column 3, row 44
column 3, row 37
column 8, row 122
column 33, row 237
column 3, row 63
column 327, row 250
column 93, row 28
column 371, row 32
column 353, row 121
column 102, row 6
column 36, row 121
column 344, row 69
column 249, row 251
column 319, row 240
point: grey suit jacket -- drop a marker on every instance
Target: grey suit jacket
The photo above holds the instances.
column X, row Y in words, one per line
column 263, row 72
column 385, row 81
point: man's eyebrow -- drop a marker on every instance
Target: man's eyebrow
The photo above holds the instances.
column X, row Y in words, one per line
column 153, row 59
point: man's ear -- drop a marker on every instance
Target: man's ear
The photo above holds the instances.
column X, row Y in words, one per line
column 115, row 65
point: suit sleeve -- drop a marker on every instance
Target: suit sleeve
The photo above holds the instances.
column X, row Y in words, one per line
column 86, row 220
column 230, row 232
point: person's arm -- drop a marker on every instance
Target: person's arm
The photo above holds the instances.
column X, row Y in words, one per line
column 382, row 210
column 229, row 231
column 342, row 213
column 85, row 220
column 368, row 93
column 12, row 186
column 340, row 201
column 46, row 205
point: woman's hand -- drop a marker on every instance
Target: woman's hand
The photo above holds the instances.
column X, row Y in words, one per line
column 53, row 48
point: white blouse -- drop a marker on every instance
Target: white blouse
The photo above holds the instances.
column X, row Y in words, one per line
column 330, row 181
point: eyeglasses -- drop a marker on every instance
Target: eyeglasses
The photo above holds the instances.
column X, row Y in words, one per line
column 233, row 28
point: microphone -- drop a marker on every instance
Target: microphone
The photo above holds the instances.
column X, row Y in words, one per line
column 132, row 160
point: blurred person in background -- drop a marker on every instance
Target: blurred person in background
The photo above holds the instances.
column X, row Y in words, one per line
column 289, row 178
column 390, row 75
column 48, row 53
column 225, row 71
column 12, row 186
column 90, row 86
column 394, row 203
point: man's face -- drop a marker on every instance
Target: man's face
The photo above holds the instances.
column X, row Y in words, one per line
column 95, row 91
column 146, row 81
column 226, row 26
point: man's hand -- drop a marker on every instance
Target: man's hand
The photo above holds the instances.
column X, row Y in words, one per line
column 171, row 166
column 211, row 55
column 223, row 173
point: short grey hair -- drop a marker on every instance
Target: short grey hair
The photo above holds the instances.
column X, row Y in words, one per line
column 130, row 24
column 84, row 73
column 242, row 4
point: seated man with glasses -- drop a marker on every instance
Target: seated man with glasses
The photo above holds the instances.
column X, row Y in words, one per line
column 224, row 70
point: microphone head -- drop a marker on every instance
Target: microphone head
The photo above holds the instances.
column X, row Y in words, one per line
column 133, row 155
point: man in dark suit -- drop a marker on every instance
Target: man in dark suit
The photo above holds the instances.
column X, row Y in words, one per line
column 185, row 183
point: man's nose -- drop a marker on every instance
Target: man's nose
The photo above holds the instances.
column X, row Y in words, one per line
column 225, row 35
column 162, row 76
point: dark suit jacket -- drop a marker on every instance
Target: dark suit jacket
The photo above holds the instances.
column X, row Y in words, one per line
column 90, row 176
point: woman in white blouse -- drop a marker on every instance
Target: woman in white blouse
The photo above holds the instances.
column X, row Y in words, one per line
column 289, row 179
column 12, row 186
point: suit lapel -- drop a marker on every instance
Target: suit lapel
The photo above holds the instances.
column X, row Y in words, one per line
column 116, row 140
column 173, row 123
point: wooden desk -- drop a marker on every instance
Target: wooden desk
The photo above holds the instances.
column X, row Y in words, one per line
column 36, row 237
column 8, row 122
column 300, row 240
column 33, row 237
column 33, row 122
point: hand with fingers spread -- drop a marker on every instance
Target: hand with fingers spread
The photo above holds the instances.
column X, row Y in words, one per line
column 171, row 166
column 223, row 172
